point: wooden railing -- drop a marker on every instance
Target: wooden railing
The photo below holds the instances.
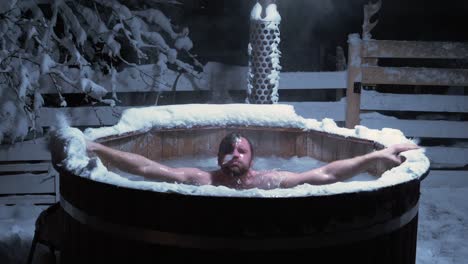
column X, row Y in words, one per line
column 366, row 102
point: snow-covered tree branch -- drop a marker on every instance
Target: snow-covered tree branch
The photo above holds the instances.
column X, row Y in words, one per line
column 82, row 44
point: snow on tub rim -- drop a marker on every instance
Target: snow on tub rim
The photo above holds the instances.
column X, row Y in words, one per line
column 151, row 128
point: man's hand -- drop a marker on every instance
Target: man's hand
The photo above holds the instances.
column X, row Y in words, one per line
column 391, row 155
column 92, row 146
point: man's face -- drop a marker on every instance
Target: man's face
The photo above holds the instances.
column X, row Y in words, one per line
column 239, row 160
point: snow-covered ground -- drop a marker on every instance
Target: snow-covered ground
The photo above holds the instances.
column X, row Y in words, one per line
column 442, row 234
column 443, row 226
column 16, row 233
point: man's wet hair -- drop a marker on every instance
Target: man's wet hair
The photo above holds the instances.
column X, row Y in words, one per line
column 227, row 144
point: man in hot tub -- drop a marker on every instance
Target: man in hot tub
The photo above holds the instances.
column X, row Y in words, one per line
column 235, row 159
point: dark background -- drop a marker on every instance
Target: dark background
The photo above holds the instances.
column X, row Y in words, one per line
column 312, row 29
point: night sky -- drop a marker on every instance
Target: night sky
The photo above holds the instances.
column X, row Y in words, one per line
column 311, row 29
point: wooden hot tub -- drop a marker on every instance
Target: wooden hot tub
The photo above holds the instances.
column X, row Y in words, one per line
column 109, row 223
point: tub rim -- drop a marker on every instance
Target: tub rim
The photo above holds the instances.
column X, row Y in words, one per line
column 241, row 193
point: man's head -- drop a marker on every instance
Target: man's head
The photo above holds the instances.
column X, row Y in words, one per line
column 235, row 154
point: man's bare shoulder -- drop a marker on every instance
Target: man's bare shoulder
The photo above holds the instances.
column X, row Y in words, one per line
column 196, row 175
column 269, row 179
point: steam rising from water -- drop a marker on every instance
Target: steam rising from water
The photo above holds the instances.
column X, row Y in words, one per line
column 306, row 29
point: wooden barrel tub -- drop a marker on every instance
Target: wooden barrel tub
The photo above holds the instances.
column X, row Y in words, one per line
column 108, row 223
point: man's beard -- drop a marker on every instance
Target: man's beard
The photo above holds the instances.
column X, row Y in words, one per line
column 235, row 171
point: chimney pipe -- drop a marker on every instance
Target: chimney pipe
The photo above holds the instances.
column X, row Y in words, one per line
column 264, row 54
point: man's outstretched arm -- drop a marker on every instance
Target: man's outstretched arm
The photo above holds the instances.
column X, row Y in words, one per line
column 343, row 169
column 140, row 165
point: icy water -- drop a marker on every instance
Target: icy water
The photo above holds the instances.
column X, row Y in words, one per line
column 294, row 164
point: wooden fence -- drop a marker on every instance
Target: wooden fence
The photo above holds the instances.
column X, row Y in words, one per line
column 424, row 101
column 26, row 175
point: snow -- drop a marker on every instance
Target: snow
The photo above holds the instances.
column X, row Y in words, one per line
column 172, row 55
column 92, row 89
column 271, row 11
column 443, row 226
column 184, row 43
column 38, row 101
column 156, row 39
column 16, row 232
column 13, row 123
column 193, row 115
column 46, row 63
column 157, row 17
column 354, row 42
column 442, row 230
column 256, row 12
column 78, row 31
column 25, row 83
